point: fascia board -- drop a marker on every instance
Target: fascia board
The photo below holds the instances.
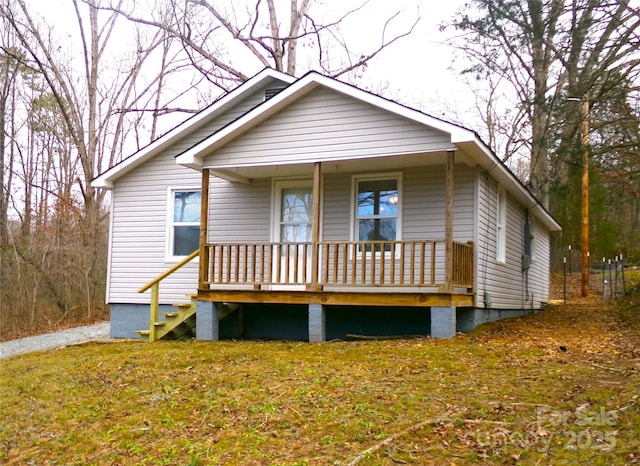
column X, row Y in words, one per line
column 106, row 179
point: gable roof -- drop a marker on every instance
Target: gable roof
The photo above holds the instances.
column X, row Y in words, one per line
column 193, row 156
column 105, row 180
column 460, row 137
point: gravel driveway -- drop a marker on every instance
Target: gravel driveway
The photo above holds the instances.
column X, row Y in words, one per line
column 54, row 339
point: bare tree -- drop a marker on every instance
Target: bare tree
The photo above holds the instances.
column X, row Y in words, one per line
column 546, row 51
column 548, row 54
column 68, row 122
column 222, row 39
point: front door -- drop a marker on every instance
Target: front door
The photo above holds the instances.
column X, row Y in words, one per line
column 292, row 231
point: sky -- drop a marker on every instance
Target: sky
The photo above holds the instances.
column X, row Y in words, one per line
column 419, row 70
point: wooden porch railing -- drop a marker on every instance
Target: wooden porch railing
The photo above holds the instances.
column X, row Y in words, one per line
column 155, row 292
column 340, row 263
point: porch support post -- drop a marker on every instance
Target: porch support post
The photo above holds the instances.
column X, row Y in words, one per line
column 448, row 229
column 317, row 323
column 207, row 321
column 315, row 225
column 204, row 225
column 443, row 322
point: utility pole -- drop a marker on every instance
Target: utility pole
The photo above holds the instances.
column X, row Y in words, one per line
column 585, row 197
column 585, row 192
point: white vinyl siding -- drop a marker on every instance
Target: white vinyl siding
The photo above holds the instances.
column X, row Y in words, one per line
column 240, row 212
column 139, row 222
column 325, row 125
column 139, row 233
column 505, row 283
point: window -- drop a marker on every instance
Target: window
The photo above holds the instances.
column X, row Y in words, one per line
column 501, row 225
column 377, row 209
column 184, row 234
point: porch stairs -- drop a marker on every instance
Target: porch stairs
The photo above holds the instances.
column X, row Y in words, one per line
column 177, row 325
column 181, row 324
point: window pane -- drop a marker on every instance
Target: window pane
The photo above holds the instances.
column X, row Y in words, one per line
column 295, row 233
column 377, row 197
column 296, row 205
column 379, row 229
column 185, row 239
column 186, row 206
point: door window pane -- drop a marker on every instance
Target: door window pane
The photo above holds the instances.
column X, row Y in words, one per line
column 296, row 216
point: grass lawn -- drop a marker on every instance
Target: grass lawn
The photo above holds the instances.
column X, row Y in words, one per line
column 558, row 387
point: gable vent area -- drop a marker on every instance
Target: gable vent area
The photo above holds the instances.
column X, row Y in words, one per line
column 272, row 91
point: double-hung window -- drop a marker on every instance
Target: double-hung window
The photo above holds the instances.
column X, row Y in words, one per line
column 501, row 226
column 184, row 231
column 377, row 209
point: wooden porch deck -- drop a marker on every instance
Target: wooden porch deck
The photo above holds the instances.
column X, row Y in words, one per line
column 393, row 273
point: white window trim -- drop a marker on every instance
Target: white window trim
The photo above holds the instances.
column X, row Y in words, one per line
column 276, row 195
column 501, row 225
column 169, row 257
column 354, row 204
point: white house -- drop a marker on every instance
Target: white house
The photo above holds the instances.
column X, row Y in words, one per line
column 314, row 210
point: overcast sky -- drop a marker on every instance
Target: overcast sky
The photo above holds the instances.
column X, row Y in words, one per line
column 419, row 70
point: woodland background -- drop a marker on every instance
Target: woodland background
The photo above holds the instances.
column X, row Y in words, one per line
column 75, row 98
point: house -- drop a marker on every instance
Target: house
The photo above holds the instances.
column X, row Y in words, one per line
column 310, row 209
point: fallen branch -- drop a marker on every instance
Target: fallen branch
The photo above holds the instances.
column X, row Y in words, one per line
column 612, row 369
column 395, row 436
column 413, row 428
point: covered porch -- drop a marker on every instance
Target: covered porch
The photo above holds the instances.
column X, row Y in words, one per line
column 418, row 272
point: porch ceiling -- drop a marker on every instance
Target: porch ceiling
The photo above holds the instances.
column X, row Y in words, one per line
column 246, row 173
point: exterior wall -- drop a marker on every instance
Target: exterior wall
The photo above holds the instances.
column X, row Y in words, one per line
column 239, row 212
column 125, row 319
column 468, row 319
column 505, row 285
column 326, row 125
column 139, row 233
column 539, row 273
column 139, row 220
